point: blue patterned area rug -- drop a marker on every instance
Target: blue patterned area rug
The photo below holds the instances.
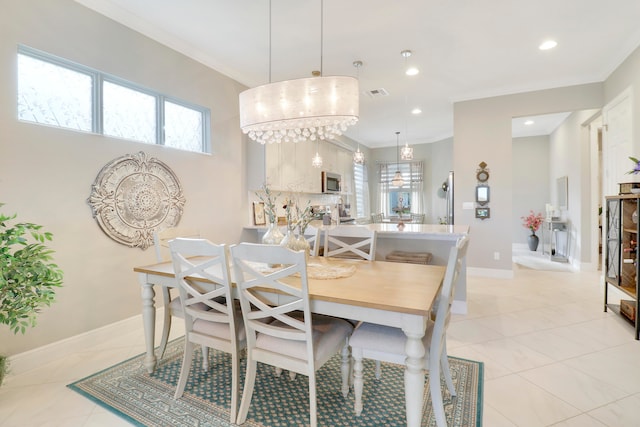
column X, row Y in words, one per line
column 147, row 399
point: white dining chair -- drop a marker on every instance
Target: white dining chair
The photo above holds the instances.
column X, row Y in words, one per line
column 211, row 318
column 350, row 241
column 281, row 331
column 172, row 305
column 387, row 344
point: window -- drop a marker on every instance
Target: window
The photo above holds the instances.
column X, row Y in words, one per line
column 362, row 190
column 57, row 92
column 401, row 200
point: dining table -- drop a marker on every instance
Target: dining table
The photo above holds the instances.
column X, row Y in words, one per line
column 394, row 294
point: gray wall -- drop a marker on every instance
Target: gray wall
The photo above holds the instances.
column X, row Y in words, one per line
column 437, row 158
column 531, row 190
column 46, row 173
column 482, row 132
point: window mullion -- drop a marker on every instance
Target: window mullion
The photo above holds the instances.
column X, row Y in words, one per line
column 160, row 120
column 98, row 125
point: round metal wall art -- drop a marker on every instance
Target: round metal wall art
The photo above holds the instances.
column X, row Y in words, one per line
column 135, row 195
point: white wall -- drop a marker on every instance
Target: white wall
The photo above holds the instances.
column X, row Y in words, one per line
column 531, row 188
column 46, row 173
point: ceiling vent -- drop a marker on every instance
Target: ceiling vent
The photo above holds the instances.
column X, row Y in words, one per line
column 377, row 93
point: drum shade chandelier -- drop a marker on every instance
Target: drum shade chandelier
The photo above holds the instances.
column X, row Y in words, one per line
column 303, row 109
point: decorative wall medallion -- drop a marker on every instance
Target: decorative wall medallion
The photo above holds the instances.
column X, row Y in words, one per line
column 133, row 196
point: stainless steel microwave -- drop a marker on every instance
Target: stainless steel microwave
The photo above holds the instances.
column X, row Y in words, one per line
column 330, row 182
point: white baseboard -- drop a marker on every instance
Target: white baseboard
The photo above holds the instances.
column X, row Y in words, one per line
column 23, row 362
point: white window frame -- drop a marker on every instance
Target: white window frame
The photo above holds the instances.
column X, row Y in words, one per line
column 98, row 78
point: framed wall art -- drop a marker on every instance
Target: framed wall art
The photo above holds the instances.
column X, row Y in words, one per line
column 258, row 213
column 483, row 213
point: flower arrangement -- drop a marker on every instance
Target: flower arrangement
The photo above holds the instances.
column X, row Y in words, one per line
column 289, row 213
column 532, row 221
column 296, row 217
column 266, row 196
column 636, row 166
column 304, row 217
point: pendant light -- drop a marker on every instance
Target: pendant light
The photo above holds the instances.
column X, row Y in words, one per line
column 397, row 180
column 316, row 161
column 358, row 156
column 297, row 110
column 407, row 152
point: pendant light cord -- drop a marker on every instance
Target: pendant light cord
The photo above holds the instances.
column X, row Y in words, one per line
column 321, row 37
column 270, row 41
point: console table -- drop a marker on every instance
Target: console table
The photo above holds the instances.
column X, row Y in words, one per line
column 555, row 240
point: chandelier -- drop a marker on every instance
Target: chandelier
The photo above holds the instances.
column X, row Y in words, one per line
column 358, row 157
column 397, row 180
column 406, row 153
column 318, row 107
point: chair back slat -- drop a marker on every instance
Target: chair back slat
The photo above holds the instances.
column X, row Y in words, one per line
column 202, row 273
column 350, row 240
column 287, row 315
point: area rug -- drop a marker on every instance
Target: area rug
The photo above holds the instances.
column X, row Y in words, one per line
column 147, row 399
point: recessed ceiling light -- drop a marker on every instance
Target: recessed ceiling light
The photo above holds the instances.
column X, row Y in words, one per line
column 412, row 71
column 549, row 44
column 416, row 111
column 529, row 122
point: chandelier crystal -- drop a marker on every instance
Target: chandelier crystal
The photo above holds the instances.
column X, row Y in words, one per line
column 397, row 180
column 300, row 110
column 358, row 157
column 406, row 153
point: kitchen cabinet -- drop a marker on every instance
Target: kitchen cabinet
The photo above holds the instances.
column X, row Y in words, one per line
column 621, row 254
column 288, row 165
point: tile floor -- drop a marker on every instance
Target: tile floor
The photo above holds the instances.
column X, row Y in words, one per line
column 552, row 358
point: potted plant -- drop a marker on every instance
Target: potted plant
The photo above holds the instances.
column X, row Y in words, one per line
column 28, row 277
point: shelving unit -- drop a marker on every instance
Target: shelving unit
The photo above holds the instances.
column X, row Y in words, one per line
column 621, row 252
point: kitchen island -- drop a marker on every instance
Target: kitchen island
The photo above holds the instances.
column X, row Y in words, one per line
column 434, row 238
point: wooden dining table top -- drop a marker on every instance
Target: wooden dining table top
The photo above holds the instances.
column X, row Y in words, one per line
column 398, row 287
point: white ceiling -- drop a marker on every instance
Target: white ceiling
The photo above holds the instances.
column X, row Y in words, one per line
column 465, row 49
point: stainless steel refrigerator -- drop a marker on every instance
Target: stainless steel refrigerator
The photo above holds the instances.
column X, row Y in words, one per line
column 447, row 186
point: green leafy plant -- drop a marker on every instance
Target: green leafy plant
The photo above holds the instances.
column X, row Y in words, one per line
column 28, row 276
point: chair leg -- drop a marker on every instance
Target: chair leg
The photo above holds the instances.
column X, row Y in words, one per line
column 313, row 404
column 277, row 372
column 205, row 358
column 247, row 393
column 166, row 325
column 446, row 370
column 235, row 379
column 358, row 381
column 292, row 375
column 184, row 371
column 378, row 370
column 436, row 392
column 345, row 368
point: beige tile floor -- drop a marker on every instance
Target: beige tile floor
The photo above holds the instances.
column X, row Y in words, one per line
column 552, row 358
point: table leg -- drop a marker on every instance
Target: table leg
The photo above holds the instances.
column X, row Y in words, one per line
column 414, row 372
column 149, row 322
